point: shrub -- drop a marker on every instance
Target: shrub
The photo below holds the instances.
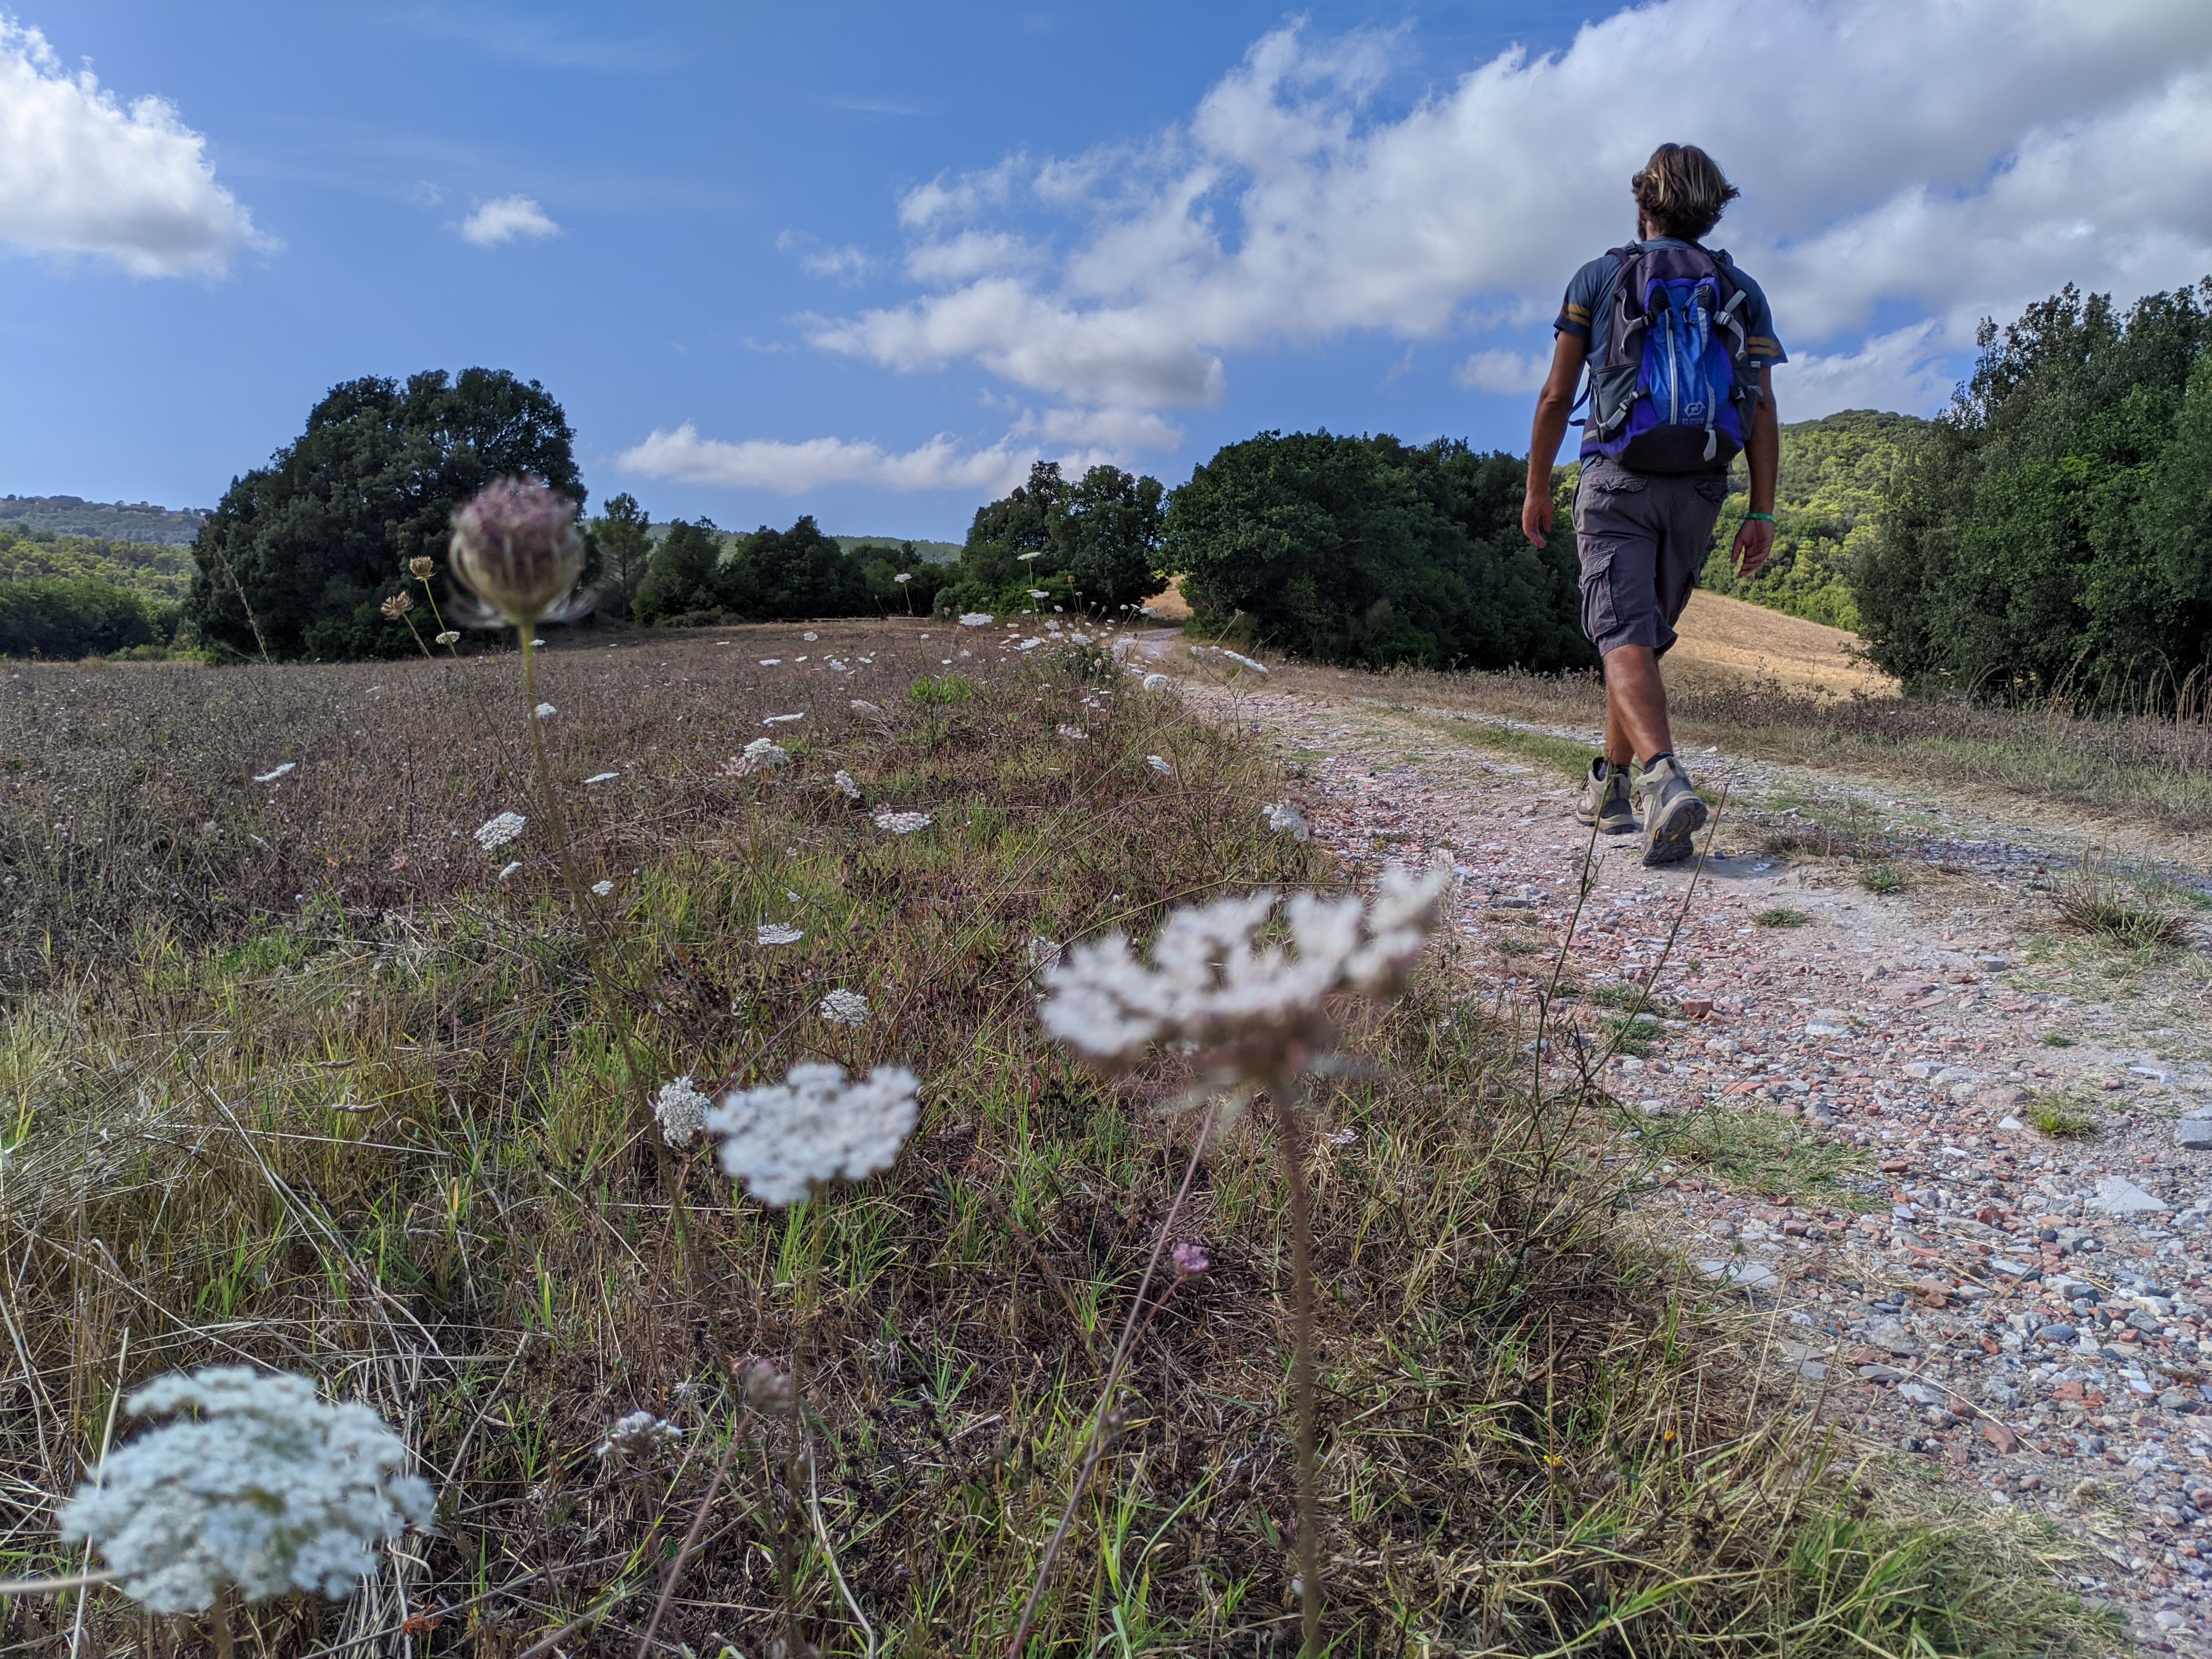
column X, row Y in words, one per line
column 1367, row 551
column 700, row 574
column 73, row 617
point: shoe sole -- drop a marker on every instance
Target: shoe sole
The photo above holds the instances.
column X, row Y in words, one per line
column 1669, row 840
column 1626, row 828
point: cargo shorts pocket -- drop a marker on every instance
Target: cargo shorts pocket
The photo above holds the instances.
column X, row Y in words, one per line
column 1711, row 490
column 1601, row 609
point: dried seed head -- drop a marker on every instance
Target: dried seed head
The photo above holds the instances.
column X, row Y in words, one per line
column 516, row 546
column 768, row 1389
column 397, row 605
column 420, row 568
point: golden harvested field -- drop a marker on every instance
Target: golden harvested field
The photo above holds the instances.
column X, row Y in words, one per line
column 1729, row 639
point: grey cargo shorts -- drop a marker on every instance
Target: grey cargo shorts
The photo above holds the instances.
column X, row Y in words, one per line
column 1643, row 537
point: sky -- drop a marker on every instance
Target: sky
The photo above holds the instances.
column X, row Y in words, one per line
column 870, row 261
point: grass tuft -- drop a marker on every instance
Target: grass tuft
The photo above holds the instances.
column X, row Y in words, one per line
column 2060, row 1117
column 2096, row 899
column 1782, row 917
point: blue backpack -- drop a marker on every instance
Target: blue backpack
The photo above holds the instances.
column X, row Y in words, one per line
column 1671, row 390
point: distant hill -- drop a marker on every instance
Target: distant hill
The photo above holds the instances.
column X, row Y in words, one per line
column 115, row 521
column 935, row 552
column 1830, row 486
column 162, row 571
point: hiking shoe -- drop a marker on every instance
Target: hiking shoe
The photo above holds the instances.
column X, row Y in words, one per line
column 1604, row 801
column 1671, row 810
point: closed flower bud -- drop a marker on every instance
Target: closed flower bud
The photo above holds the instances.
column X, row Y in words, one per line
column 517, row 547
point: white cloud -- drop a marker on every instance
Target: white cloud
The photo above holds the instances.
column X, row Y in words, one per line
column 1507, row 373
column 80, row 174
column 791, row 469
column 1902, row 369
column 506, row 217
column 1110, row 431
column 846, row 264
column 1956, row 160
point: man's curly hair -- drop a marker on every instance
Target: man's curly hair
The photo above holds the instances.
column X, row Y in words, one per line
column 1682, row 192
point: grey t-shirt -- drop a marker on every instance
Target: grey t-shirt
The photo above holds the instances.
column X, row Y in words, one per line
column 1584, row 315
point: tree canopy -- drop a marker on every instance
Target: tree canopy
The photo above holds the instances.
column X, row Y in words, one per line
column 622, row 548
column 1367, row 551
column 700, row 574
column 324, row 532
column 1093, row 544
column 2049, row 534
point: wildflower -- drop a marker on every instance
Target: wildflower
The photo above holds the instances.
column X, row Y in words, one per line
column 1254, row 1011
column 846, row 787
column 640, row 1435
column 972, row 619
column 843, row 1008
column 266, row 1488
column 784, row 720
column 1157, row 683
column 1044, row 953
column 787, row 1139
column 771, row 662
column 681, row 1111
column 760, row 754
column 1159, row 765
column 1242, row 661
column 810, row 638
column 602, row 888
column 600, row 777
column 451, row 636
column 903, row 576
column 862, row 706
column 1075, row 733
column 901, row 823
column 546, row 711
column 769, row 1391
column 420, row 568
column 1344, row 1137
column 507, row 869
column 274, row 773
column 1034, row 553
column 496, row 833
column 516, row 546
column 397, row 605
column 776, row 933
column 1039, row 594
column 1287, row 818
column 1189, row 1258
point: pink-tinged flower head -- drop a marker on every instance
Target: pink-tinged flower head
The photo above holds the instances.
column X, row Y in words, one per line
column 1189, row 1258
column 516, row 546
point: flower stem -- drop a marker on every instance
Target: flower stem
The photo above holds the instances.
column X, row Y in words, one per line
column 1291, row 1131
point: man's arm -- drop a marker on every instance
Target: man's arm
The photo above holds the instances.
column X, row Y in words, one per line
column 1762, row 451
column 1554, row 404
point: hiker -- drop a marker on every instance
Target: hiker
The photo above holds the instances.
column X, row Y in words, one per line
column 1680, row 344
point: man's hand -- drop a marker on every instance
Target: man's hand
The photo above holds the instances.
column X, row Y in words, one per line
column 1754, row 545
column 1536, row 516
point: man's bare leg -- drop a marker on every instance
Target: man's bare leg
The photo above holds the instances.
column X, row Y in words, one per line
column 1635, row 706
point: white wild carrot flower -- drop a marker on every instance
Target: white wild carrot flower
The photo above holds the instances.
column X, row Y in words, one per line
column 1255, row 1012
column 546, row 711
column 846, row 787
column 1287, row 818
column 843, row 1008
column 600, row 777
column 1155, row 683
column 451, row 636
column 1073, row 734
column 902, row 823
column 771, row 662
column 681, row 1111
column 640, row 1434
column 1039, row 594
column 1044, row 953
column 1034, row 553
column 516, row 545
column 1159, row 764
column 495, row 833
column 760, row 754
column 776, row 933
column 973, row 619
column 265, row 1488
column 786, row 1141
column 602, row 888
column 276, row 772
column 784, row 720
column 903, row 576
column 506, row 870
column 810, row 638
column 862, row 706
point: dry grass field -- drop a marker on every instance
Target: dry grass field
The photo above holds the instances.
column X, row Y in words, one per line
column 293, row 1073
column 1724, row 639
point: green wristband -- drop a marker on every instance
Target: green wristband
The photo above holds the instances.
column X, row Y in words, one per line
column 1763, row 517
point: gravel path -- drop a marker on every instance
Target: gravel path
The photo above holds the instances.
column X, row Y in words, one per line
column 2024, row 1311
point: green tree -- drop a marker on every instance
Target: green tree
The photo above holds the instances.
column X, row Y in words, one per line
column 1107, row 538
column 1367, row 551
column 682, row 577
column 623, row 544
column 799, row 572
column 2037, row 539
column 1093, row 544
column 70, row 616
column 329, row 525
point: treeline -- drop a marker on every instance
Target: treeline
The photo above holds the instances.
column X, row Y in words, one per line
column 80, row 596
column 2052, row 533
column 698, row 575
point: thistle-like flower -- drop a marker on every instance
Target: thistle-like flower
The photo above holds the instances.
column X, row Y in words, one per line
column 902, row 823
column 786, row 1141
column 269, row 1490
column 681, row 1111
column 397, row 605
column 639, row 1435
column 1189, row 1258
column 844, row 1007
column 420, row 568
column 495, row 833
column 1255, row 1012
column 516, row 546
column 1288, row 819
